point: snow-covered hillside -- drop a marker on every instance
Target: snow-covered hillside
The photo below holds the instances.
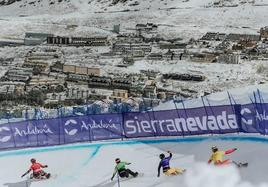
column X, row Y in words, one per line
column 180, row 18
column 175, row 18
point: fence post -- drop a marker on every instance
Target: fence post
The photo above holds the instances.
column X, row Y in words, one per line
column 90, row 134
column 205, row 111
column 212, row 112
column 26, row 114
column 177, row 110
column 14, row 141
column 261, row 103
column 254, row 102
column 151, row 103
column 7, row 115
column 148, row 114
column 237, row 110
column 59, row 110
column 122, row 126
column 263, row 111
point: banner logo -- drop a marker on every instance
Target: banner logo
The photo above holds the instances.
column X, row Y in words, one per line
column 32, row 130
column 222, row 121
column 261, row 116
column 244, row 112
column 5, row 138
column 99, row 125
column 70, row 122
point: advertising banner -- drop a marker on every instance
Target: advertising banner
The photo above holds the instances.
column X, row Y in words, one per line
column 206, row 120
column 250, row 118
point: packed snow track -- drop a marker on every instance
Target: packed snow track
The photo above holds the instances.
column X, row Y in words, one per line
column 92, row 165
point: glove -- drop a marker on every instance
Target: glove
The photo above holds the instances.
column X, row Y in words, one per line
column 45, row 166
column 168, row 152
column 235, row 149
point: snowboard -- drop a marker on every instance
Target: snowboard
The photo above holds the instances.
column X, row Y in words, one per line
column 241, row 165
column 175, row 172
column 41, row 178
column 130, row 177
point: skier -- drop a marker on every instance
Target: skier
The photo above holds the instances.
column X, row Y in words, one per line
column 38, row 173
column 217, row 157
column 164, row 163
column 121, row 169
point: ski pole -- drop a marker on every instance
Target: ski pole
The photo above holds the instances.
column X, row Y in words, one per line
column 118, row 181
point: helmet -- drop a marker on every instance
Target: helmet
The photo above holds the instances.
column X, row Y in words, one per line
column 117, row 160
column 33, row 160
column 162, row 156
column 214, row 148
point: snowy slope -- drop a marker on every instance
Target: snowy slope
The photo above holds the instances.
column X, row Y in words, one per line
column 178, row 18
column 241, row 95
column 91, row 165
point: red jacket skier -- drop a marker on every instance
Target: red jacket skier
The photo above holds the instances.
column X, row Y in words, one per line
column 38, row 173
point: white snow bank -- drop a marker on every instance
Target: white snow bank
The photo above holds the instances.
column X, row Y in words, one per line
column 245, row 95
column 203, row 175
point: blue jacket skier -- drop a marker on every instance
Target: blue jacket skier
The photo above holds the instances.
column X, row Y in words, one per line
column 164, row 163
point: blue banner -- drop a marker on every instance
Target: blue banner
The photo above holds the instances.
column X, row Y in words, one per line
column 250, row 118
column 206, row 120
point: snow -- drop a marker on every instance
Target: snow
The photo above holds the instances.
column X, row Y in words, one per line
column 189, row 19
column 184, row 19
column 85, row 165
column 243, row 95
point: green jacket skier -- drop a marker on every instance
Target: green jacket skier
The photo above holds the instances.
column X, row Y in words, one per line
column 121, row 169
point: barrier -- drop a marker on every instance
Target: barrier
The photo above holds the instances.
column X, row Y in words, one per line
column 250, row 118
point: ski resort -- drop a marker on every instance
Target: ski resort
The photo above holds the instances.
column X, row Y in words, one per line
column 123, row 93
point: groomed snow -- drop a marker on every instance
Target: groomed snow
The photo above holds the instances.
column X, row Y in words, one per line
column 91, row 165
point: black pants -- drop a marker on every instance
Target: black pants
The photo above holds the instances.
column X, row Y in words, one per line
column 126, row 172
column 166, row 169
column 39, row 174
